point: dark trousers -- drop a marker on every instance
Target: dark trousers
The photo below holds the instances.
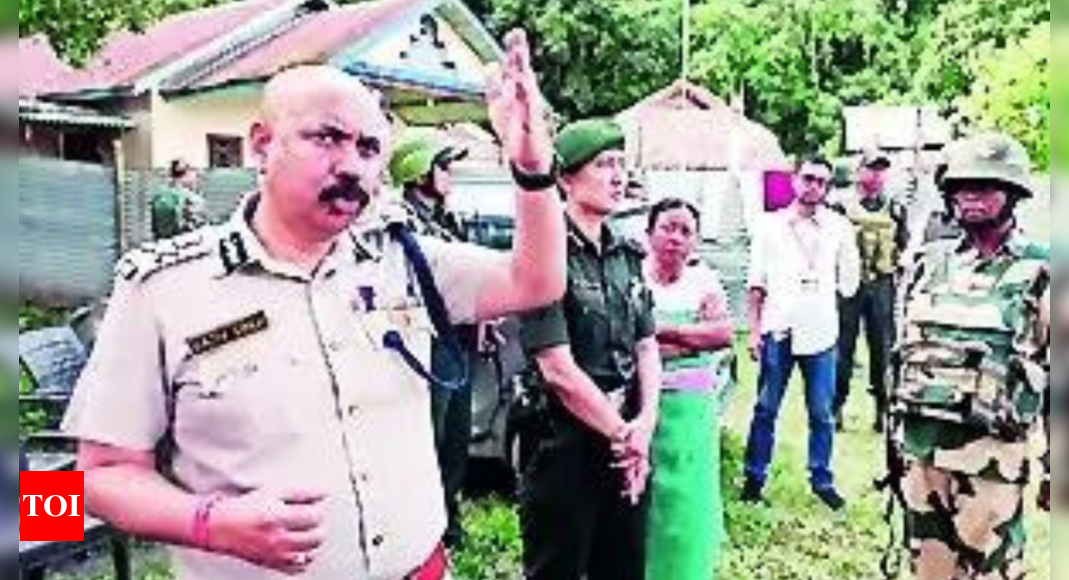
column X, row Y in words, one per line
column 451, row 413
column 874, row 305
column 575, row 523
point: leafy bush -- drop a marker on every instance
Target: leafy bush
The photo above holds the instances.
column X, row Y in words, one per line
column 492, row 548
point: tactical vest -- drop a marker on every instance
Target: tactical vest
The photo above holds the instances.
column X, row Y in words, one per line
column 969, row 353
column 876, row 237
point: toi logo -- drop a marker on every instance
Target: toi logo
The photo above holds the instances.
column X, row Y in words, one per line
column 51, row 506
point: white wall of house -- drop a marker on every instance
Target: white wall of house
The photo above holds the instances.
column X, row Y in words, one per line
column 181, row 125
column 387, row 51
column 729, row 203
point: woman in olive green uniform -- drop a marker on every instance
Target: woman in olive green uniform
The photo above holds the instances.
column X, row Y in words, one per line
column 582, row 501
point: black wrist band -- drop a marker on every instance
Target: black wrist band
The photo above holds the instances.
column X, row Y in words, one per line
column 535, row 181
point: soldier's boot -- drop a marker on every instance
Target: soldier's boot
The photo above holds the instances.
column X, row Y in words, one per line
column 880, row 420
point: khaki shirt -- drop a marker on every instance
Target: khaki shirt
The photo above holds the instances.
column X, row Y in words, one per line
column 280, row 380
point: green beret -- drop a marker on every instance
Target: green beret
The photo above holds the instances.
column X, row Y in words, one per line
column 580, row 142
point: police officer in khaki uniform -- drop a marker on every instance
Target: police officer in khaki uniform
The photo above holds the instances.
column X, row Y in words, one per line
column 282, row 402
column 583, row 506
column 422, row 166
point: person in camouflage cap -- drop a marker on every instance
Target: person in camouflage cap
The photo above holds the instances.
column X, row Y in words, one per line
column 973, row 372
column 422, row 167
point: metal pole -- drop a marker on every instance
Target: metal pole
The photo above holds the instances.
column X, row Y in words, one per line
column 685, row 67
column 122, row 231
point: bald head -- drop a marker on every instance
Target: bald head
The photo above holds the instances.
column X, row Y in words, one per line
column 317, row 87
column 321, row 141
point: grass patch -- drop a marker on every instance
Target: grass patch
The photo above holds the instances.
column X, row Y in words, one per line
column 36, row 316
column 796, row 538
column 150, row 562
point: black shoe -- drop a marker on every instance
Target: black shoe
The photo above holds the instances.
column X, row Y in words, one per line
column 752, row 492
column 879, row 424
column 831, row 498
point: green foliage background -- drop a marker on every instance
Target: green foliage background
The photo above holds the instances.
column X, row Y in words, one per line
column 794, row 63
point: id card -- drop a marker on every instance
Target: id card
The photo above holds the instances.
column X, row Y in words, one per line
column 810, row 283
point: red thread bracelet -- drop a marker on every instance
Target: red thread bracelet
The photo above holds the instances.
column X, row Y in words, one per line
column 202, row 519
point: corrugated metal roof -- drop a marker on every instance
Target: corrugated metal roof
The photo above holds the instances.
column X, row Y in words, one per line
column 126, row 56
column 427, row 82
column 54, row 114
column 314, row 38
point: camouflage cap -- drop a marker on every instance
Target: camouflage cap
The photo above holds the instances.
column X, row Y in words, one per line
column 580, row 142
column 989, row 157
column 416, row 154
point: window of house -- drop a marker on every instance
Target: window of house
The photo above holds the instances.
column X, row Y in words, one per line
column 225, row 151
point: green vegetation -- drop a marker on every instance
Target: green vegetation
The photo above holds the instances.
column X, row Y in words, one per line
column 793, row 63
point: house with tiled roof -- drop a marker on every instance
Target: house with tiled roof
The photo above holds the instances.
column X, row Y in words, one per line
column 685, row 141
column 189, row 86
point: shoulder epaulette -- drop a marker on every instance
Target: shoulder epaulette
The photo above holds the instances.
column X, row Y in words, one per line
column 148, row 260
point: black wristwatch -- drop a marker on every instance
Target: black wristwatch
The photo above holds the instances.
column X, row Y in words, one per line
column 535, row 181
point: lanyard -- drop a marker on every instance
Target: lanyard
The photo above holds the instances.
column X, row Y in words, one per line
column 810, row 250
column 392, row 340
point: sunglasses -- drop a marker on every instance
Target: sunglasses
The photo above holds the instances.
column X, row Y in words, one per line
column 810, row 179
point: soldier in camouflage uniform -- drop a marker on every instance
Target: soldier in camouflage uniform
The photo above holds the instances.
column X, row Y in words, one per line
column 973, row 372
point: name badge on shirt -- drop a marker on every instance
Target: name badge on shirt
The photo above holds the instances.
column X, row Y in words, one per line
column 228, row 333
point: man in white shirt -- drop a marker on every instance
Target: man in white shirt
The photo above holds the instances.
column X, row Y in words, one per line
column 804, row 257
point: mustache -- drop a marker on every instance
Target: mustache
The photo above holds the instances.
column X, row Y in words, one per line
column 346, row 188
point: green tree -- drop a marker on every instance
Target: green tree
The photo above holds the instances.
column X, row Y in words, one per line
column 798, row 62
column 76, row 29
column 597, row 57
column 1012, row 91
column 946, row 46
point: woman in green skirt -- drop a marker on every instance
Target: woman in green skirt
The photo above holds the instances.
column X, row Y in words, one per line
column 686, row 520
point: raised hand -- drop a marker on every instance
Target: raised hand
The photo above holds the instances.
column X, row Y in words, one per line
column 517, row 109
